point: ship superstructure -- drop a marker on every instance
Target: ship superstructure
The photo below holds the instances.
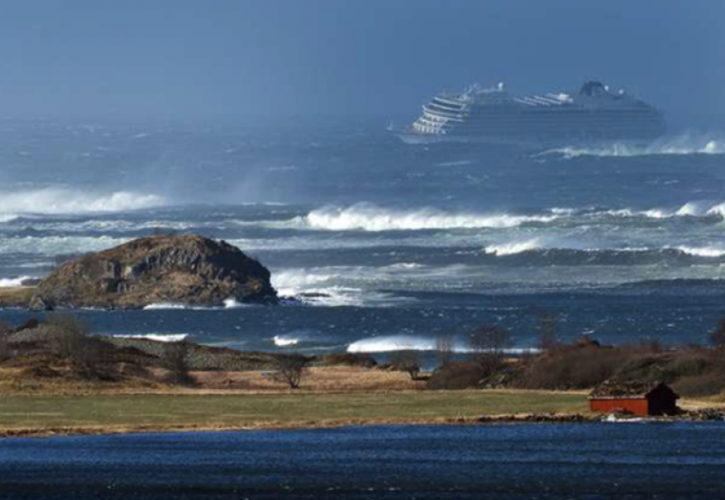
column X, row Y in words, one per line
column 594, row 114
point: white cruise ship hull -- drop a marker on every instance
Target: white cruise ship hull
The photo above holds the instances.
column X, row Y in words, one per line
column 491, row 116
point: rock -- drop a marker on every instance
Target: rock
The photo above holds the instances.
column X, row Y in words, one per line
column 179, row 269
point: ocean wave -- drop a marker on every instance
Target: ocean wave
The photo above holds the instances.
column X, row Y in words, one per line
column 685, row 144
column 393, row 343
column 513, row 247
column 290, row 282
column 712, row 252
column 368, row 217
column 65, row 200
column 15, row 282
column 230, row 303
column 57, row 245
column 159, row 337
column 285, row 341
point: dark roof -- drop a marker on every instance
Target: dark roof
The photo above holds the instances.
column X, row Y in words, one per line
column 617, row 389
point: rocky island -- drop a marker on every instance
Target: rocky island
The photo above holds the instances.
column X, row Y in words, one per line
column 185, row 269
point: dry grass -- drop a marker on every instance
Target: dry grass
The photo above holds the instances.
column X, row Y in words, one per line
column 16, row 297
column 327, row 379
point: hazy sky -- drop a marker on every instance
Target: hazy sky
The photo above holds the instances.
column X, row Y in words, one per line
column 383, row 57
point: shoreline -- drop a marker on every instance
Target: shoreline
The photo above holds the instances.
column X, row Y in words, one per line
column 525, row 418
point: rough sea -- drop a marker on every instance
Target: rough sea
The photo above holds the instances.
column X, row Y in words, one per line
column 385, row 245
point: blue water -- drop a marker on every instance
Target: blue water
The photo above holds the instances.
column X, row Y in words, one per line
column 391, row 243
column 533, row 461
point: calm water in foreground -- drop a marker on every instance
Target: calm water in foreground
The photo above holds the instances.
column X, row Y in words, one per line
column 590, row 461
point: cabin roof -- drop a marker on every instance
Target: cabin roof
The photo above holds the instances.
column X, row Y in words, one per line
column 616, row 389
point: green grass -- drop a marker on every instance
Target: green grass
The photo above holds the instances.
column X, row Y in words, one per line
column 129, row 411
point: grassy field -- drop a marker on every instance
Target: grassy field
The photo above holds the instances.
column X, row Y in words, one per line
column 109, row 413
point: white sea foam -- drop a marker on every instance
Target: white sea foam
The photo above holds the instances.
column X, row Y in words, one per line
column 285, row 341
column 232, row 303
column 14, row 282
column 62, row 200
column 684, row 144
column 392, row 343
column 513, row 248
column 368, row 217
column 159, row 337
column 165, row 306
column 714, row 251
column 58, row 245
column 290, row 282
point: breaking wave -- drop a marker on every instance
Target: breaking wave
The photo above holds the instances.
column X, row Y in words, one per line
column 285, row 341
column 158, row 337
column 685, row 144
column 15, row 282
column 57, row 200
column 368, row 217
column 513, row 248
column 394, row 343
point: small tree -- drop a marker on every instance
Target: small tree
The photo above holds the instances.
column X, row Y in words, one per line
column 291, row 368
column 445, row 345
column 5, row 352
column 175, row 360
column 5, row 330
column 548, row 326
column 488, row 347
column 406, row 360
column 69, row 339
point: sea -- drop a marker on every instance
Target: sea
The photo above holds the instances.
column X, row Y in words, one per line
column 378, row 245
column 597, row 461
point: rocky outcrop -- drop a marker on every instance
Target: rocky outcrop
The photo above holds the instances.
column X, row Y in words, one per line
column 186, row 269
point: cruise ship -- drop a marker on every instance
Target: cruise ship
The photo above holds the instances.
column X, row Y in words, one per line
column 594, row 114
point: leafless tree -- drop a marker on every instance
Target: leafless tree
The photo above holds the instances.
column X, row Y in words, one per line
column 291, row 368
column 406, row 360
column 175, row 359
column 445, row 344
column 70, row 339
column 548, row 326
column 488, row 347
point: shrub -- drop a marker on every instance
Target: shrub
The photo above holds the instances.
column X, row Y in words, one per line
column 408, row 361
column 70, row 340
column 488, row 347
column 175, row 360
column 456, row 376
column 291, row 368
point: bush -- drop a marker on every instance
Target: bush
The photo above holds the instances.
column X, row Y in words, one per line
column 175, row 360
column 488, row 348
column 70, row 340
column 456, row 376
column 408, row 361
column 291, row 368
column 5, row 352
column 573, row 367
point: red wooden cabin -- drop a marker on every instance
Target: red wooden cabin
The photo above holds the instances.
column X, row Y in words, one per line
column 638, row 398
